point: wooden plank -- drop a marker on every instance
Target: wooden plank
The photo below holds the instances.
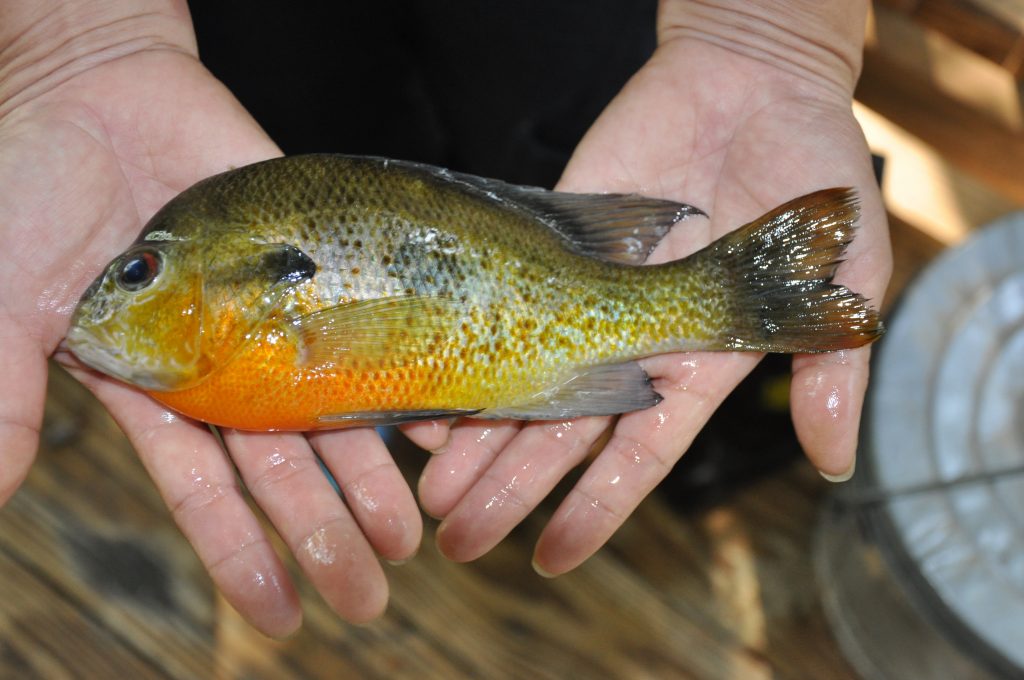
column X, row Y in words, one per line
column 912, row 249
column 977, row 28
column 924, row 190
column 924, row 101
column 991, row 28
column 45, row 636
column 958, row 134
column 119, row 577
column 742, row 599
column 928, row 57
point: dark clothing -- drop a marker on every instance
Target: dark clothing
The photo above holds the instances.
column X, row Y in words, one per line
column 493, row 88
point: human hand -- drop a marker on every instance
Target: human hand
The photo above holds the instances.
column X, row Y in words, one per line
column 98, row 128
column 738, row 111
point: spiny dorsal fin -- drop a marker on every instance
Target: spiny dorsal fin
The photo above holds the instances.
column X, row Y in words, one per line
column 595, row 391
column 621, row 228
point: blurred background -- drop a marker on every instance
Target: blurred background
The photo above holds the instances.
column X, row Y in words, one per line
column 743, row 564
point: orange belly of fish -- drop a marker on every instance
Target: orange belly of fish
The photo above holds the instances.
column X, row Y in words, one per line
column 265, row 387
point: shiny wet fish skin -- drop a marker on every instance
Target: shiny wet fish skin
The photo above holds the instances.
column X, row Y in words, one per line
column 327, row 291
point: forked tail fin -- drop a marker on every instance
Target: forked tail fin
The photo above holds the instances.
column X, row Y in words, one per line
column 780, row 269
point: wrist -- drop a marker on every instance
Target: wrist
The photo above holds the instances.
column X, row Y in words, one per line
column 44, row 44
column 820, row 40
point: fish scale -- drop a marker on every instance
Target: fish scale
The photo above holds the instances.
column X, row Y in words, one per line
column 338, row 291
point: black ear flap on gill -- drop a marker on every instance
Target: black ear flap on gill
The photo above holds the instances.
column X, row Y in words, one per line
column 286, row 263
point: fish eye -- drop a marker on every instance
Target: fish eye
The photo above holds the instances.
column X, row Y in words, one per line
column 138, row 270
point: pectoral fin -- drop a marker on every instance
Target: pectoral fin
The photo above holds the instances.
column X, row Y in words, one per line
column 383, row 332
column 595, row 391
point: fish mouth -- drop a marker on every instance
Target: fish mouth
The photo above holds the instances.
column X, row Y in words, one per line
column 101, row 354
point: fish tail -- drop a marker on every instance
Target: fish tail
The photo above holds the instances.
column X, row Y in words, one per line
column 780, row 270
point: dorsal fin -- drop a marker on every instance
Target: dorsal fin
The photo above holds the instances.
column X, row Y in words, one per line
column 621, row 228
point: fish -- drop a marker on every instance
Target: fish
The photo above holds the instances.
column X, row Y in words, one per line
column 325, row 291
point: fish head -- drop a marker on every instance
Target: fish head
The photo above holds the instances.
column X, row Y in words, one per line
column 165, row 314
column 140, row 320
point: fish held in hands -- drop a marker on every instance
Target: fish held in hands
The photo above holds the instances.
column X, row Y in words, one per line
column 327, row 291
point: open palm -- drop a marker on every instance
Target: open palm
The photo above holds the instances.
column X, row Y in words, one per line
column 736, row 132
column 82, row 166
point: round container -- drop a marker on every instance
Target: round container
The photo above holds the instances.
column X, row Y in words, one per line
column 921, row 556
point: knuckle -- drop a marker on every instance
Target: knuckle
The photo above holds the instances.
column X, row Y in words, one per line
column 321, row 545
column 201, row 498
column 481, row 442
column 601, row 506
column 361, row 481
column 506, row 491
column 633, row 454
column 569, row 435
column 218, row 567
column 275, row 476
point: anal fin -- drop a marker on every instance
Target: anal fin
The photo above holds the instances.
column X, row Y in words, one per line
column 595, row 391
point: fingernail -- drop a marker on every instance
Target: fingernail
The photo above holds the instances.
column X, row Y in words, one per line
column 398, row 563
column 540, row 570
column 439, row 518
column 443, row 448
column 842, row 476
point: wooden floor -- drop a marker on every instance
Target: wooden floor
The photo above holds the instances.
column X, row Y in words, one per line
column 96, row 582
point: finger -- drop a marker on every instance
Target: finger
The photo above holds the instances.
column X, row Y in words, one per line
column 827, row 391
column 374, row 490
column 23, row 368
column 285, row 478
column 527, row 470
column 471, row 447
column 643, row 448
column 826, row 399
column 200, row 487
column 431, row 435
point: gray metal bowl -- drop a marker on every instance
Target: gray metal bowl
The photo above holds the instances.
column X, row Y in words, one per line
column 921, row 557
